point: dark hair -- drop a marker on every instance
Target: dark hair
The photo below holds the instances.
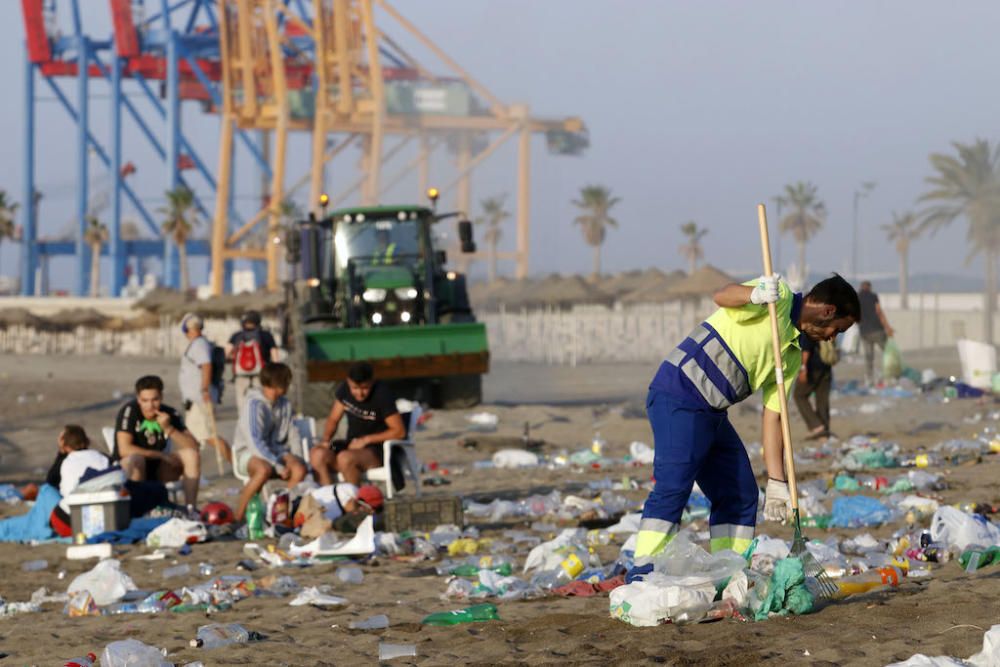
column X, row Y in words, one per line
column 276, row 376
column 74, row 437
column 835, row 291
column 250, row 317
column 149, row 382
column 361, row 372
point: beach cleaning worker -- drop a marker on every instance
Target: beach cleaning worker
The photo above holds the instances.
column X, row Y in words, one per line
column 723, row 361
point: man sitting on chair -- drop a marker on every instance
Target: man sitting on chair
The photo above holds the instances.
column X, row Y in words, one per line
column 372, row 419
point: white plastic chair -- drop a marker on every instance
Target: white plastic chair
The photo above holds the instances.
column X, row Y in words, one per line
column 108, row 433
column 408, row 447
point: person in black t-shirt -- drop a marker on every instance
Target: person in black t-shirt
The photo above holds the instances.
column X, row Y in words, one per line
column 815, row 377
column 372, row 418
column 874, row 328
column 152, row 442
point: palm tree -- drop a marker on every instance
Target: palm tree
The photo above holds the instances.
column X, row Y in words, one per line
column 493, row 215
column 95, row 236
column 806, row 218
column 595, row 202
column 969, row 185
column 180, row 222
column 692, row 250
column 8, row 230
column 902, row 231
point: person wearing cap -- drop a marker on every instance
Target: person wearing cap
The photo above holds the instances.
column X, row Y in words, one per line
column 249, row 349
column 341, row 507
column 197, row 389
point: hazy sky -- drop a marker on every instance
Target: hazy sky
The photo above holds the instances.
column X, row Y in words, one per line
column 696, row 111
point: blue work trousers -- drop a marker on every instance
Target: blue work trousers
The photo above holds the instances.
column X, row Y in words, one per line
column 695, row 444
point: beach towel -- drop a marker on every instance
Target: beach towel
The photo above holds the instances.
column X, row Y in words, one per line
column 137, row 531
column 35, row 524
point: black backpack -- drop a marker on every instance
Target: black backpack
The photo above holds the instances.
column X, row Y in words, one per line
column 218, row 368
column 218, row 360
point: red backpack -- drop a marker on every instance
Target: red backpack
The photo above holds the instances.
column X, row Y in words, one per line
column 249, row 358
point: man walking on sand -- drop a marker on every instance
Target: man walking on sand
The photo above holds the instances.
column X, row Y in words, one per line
column 723, row 361
column 874, row 329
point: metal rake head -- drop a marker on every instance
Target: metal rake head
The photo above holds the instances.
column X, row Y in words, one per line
column 813, row 568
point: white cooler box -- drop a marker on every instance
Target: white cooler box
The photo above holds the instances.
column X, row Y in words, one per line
column 99, row 511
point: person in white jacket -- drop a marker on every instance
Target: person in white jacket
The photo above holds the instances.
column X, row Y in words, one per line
column 260, row 449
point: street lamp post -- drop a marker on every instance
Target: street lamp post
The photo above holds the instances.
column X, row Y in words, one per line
column 859, row 194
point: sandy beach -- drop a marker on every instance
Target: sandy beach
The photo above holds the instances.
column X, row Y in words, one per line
column 942, row 615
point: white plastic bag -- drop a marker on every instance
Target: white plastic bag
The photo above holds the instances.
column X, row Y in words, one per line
column 176, row 533
column 988, row 657
column 515, row 458
column 106, row 583
column 660, row 597
column 956, row 528
column 641, row 452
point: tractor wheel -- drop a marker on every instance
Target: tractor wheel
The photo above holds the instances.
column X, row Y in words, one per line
column 460, row 391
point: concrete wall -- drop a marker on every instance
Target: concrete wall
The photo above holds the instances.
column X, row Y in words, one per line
column 164, row 341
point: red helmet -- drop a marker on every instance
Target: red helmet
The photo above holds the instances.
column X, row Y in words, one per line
column 217, row 514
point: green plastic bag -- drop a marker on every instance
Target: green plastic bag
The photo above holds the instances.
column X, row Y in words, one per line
column 892, row 361
column 786, row 592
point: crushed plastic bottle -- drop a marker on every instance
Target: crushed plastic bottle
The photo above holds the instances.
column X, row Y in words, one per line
column 206, row 569
column 88, row 660
column 216, row 635
column 378, row 622
column 129, row 652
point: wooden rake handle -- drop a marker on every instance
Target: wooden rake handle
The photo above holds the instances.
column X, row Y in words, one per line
column 779, row 375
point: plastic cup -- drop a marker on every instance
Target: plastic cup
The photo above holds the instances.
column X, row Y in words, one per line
column 390, row 651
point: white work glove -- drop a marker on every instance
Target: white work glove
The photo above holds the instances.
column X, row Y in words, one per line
column 777, row 502
column 766, row 290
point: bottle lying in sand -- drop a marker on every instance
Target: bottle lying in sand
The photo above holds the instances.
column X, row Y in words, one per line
column 88, row 660
column 223, row 634
column 870, row 580
column 477, row 612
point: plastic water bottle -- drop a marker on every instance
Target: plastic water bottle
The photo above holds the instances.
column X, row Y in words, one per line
column 88, row 660
column 206, row 569
column 350, row 575
column 473, row 614
column 34, row 565
column 255, row 518
column 176, row 571
column 569, row 569
column 379, row 622
column 223, row 634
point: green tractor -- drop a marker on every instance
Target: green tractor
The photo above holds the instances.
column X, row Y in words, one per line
column 371, row 286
